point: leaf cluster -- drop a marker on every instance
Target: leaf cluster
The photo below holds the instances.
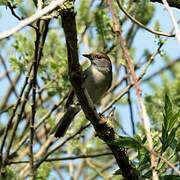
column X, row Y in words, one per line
column 165, row 141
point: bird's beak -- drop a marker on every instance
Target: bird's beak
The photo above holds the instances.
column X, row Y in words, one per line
column 87, row 55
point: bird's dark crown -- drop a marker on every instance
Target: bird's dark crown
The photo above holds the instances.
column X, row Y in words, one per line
column 97, row 55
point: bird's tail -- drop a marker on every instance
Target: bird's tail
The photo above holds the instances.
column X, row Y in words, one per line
column 65, row 121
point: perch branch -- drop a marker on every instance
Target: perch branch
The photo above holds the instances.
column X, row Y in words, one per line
column 102, row 128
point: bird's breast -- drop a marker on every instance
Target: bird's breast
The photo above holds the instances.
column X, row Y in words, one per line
column 96, row 83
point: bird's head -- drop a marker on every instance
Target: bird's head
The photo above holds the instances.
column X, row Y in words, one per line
column 99, row 59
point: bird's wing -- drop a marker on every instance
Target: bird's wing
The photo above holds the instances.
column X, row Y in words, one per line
column 85, row 74
column 71, row 94
column 110, row 82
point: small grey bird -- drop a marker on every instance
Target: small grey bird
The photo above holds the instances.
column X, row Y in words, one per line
column 97, row 80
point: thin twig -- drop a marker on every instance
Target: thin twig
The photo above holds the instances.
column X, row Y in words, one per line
column 18, row 119
column 6, row 109
column 106, row 167
column 14, row 111
column 141, row 25
column 9, row 91
column 121, row 94
column 4, row 74
column 12, row 11
column 8, row 76
column 15, row 15
column 142, row 109
column 67, row 158
column 169, row 65
column 169, row 164
column 130, row 106
column 26, row 95
column 59, row 146
column 41, row 159
column 41, row 121
column 177, row 31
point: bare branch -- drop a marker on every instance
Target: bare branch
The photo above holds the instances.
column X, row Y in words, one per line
column 129, row 62
column 169, row 65
column 67, row 158
column 14, row 111
column 32, row 18
column 59, row 146
column 41, row 121
column 177, row 31
column 8, row 76
column 141, row 25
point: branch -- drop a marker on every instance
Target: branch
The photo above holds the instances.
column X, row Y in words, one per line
column 66, row 158
column 130, row 105
column 130, row 65
column 33, row 106
column 59, row 146
column 142, row 25
column 23, row 101
column 103, row 129
column 169, row 65
column 14, row 112
column 8, row 76
column 177, row 31
column 4, row 74
column 32, row 18
column 15, row 15
column 9, row 91
column 41, row 121
column 172, row 3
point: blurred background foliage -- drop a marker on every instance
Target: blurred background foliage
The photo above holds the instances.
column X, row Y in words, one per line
column 95, row 33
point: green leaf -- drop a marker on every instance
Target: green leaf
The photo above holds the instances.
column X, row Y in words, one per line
column 44, row 171
column 127, row 142
column 104, row 25
column 168, row 129
column 173, row 120
column 168, row 111
column 170, row 177
column 144, row 159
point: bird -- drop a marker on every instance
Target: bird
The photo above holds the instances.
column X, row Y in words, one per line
column 97, row 79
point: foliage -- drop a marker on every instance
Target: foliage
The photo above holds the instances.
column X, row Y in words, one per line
column 23, row 49
column 9, row 173
column 44, row 171
column 104, row 27
column 95, row 33
column 165, row 143
column 170, row 125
